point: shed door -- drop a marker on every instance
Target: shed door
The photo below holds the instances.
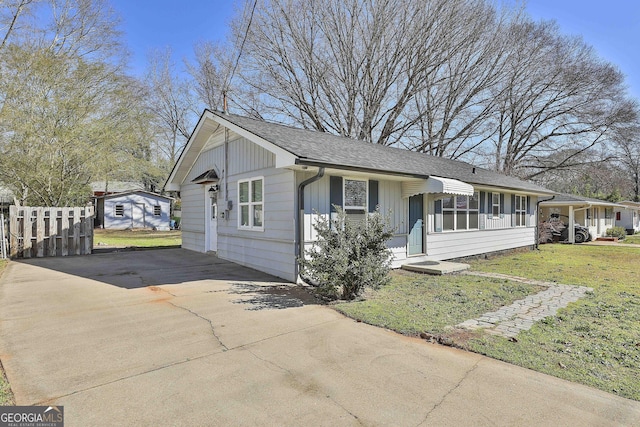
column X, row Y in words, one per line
column 415, row 244
column 137, row 215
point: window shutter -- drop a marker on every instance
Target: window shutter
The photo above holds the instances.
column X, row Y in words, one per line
column 529, row 207
column 483, row 206
column 335, row 192
column 501, row 205
column 373, row 195
column 513, row 210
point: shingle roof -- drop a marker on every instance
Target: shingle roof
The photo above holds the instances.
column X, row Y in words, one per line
column 573, row 199
column 341, row 152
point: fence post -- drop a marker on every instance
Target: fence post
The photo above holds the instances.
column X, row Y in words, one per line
column 3, row 244
column 14, row 231
column 40, row 232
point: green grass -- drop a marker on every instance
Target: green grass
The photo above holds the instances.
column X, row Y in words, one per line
column 136, row 238
column 635, row 239
column 6, row 397
column 594, row 341
column 415, row 303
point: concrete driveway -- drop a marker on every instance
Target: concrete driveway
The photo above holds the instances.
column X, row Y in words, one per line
column 173, row 337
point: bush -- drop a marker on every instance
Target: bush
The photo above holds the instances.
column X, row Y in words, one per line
column 349, row 255
column 619, row 232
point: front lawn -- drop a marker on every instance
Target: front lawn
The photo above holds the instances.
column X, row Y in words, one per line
column 635, row 239
column 136, row 238
column 594, row 341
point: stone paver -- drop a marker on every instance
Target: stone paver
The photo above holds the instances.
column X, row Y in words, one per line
column 522, row 314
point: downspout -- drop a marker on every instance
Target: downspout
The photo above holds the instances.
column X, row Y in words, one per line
column 537, row 245
column 299, row 218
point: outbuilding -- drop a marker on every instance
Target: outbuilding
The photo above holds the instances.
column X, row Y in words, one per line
column 133, row 209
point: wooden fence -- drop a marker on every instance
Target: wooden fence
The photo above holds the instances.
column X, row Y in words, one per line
column 47, row 231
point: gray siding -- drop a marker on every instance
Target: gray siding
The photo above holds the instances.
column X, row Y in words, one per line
column 271, row 250
column 146, row 202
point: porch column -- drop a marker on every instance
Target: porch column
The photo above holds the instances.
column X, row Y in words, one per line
column 572, row 230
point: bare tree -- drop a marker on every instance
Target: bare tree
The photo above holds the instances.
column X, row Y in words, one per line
column 211, row 73
column 628, row 150
column 556, row 94
column 352, row 68
column 171, row 103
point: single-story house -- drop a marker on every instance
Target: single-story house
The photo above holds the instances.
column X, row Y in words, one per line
column 104, row 188
column 133, row 209
column 629, row 216
column 251, row 191
column 597, row 215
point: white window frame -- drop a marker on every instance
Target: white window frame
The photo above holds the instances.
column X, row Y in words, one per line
column 494, row 205
column 344, row 195
column 521, row 214
column 251, row 205
column 115, row 211
column 468, row 211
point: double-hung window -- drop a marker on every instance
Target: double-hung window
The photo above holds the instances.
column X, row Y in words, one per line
column 251, row 204
column 460, row 212
column 495, row 205
column 521, row 210
column 355, row 195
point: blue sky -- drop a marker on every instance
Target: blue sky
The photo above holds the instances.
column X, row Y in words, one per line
column 612, row 27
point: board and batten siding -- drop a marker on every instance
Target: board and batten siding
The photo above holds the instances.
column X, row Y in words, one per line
column 271, row 250
column 317, row 203
column 192, row 221
column 145, row 201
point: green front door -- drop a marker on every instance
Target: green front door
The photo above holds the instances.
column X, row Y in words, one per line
column 415, row 244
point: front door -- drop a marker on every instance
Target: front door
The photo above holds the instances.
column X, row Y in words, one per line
column 212, row 222
column 415, row 244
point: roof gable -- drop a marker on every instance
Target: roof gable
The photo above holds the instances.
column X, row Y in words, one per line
column 305, row 147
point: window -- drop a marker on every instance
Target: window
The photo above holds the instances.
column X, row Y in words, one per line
column 495, row 205
column 460, row 212
column 355, row 195
column 521, row 211
column 608, row 216
column 251, row 204
column 119, row 210
column 157, row 210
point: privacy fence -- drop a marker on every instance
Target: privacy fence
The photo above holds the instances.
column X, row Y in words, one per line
column 50, row 231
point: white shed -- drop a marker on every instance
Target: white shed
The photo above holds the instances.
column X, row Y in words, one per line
column 133, row 209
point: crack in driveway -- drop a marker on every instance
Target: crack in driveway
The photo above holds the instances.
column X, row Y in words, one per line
column 454, row 388
column 213, row 329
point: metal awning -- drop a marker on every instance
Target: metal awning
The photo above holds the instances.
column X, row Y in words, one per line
column 206, row 177
column 436, row 185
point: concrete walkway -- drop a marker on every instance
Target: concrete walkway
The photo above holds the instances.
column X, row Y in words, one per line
column 522, row 314
column 176, row 338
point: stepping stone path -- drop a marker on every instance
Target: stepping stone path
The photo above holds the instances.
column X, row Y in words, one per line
column 508, row 321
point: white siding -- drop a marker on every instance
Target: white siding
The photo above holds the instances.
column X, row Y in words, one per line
column 441, row 246
column 272, row 250
column 145, row 201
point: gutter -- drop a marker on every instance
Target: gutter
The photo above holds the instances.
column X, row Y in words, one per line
column 537, row 245
column 299, row 218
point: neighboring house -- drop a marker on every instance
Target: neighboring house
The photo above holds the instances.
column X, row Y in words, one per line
column 103, row 188
column 629, row 216
column 133, row 209
column 252, row 190
column 597, row 215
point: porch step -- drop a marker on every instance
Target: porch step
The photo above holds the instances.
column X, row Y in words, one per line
column 436, row 267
